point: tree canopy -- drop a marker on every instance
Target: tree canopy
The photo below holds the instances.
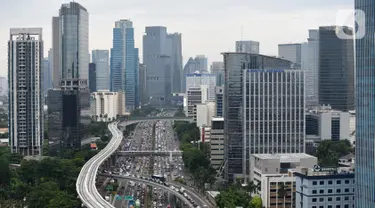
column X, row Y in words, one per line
column 329, row 152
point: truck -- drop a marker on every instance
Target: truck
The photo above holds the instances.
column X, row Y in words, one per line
column 137, row 204
column 182, row 190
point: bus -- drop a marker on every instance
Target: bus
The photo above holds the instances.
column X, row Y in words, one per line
column 158, row 177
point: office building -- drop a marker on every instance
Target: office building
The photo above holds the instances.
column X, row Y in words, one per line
column 92, row 77
column 273, row 172
column 157, row 61
column 247, row 46
column 3, row 86
column 217, row 142
column 205, row 112
column 365, row 108
column 324, row 187
column 312, row 71
column 336, row 68
column 25, row 72
column 175, row 52
column 234, row 65
column 194, row 96
column 197, row 79
column 107, row 106
column 274, row 112
column 291, row 52
column 219, row 101
column 47, row 72
column 124, row 62
column 101, row 60
column 189, row 68
column 217, row 68
column 201, row 64
column 326, row 124
column 70, row 39
column 143, row 98
column 64, row 113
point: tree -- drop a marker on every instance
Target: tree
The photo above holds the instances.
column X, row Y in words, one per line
column 329, row 152
column 256, row 202
column 282, row 192
column 4, row 172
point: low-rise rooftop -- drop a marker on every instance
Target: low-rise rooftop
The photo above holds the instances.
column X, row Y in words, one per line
column 284, row 158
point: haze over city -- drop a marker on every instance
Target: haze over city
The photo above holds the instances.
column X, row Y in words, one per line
column 208, row 27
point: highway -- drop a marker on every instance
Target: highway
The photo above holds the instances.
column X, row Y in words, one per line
column 85, row 184
column 154, row 184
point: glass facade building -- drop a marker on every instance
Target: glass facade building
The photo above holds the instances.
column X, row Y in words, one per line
column 365, row 108
column 101, row 60
column 336, row 68
column 124, row 62
column 234, row 65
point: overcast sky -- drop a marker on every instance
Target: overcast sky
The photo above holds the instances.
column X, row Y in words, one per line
column 207, row 26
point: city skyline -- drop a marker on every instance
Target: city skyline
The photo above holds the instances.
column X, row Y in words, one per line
column 197, row 24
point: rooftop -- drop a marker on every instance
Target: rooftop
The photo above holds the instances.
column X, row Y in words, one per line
column 217, row 119
column 284, row 158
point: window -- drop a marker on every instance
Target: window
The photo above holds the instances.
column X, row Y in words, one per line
column 338, row 182
column 337, row 206
column 313, row 199
column 321, row 182
column 338, row 198
column 330, row 191
column 321, row 199
column 346, row 190
column 321, row 191
column 346, row 198
column 330, row 182
column 329, row 198
column 346, row 181
column 315, row 183
column 346, row 206
column 314, row 191
column 338, row 190
column 329, row 206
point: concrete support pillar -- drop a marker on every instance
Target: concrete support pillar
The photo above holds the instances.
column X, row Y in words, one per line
column 113, row 160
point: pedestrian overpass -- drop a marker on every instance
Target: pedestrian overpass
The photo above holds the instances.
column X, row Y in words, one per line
column 171, row 154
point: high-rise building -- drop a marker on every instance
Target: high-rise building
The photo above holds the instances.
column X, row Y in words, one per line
column 101, row 60
column 47, row 72
column 217, row 68
column 273, row 112
column 291, row 52
column 174, row 50
column 201, row 64
column 92, row 77
column 56, row 74
column 157, row 61
column 194, row 96
column 234, row 65
column 124, row 66
column 107, row 106
column 74, row 41
column 197, row 79
column 247, row 46
column 70, row 38
column 25, row 72
column 365, row 106
column 189, row 68
column 64, row 113
column 219, row 101
column 312, row 70
column 143, row 84
column 336, row 68
column 3, row 86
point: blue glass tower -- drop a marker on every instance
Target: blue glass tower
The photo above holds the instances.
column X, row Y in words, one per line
column 124, row 62
column 137, row 94
column 365, row 107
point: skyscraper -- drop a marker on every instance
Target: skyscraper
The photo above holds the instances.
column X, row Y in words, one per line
column 198, row 79
column 217, row 68
column 175, row 52
column 101, row 60
column 291, row 52
column 124, row 58
column 158, row 65
column 312, row 71
column 143, row 84
column 70, row 38
column 247, row 46
column 92, row 77
column 25, row 54
column 189, row 68
column 336, row 68
column 234, row 65
column 365, row 107
column 201, row 64
column 74, row 41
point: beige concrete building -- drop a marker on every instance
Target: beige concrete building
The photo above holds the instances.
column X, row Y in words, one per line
column 107, row 106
